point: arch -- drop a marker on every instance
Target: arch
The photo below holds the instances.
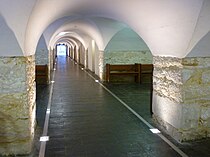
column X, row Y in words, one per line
column 51, row 29
column 201, row 31
column 71, row 42
column 42, row 53
column 126, row 47
column 81, row 29
column 42, row 43
column 165, row 31
column 202, row 48
column 13, row 49
column 73, row 39
column 126, row 39
column 16, row 15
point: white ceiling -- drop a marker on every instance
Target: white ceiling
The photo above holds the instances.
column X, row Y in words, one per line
column 168, row 27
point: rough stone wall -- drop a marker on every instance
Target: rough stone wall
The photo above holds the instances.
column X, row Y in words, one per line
column 167, row 77
column 50, row 65
column 196, row 96
column 17, row 104
column 126, row 57
column 101, row 65
column 181, row 96
column 86, row 59
column 42, row 57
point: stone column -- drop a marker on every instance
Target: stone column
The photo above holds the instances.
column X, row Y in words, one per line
column 72, row 53
column 181, row 102
column 86, row 59
column 17, row 104
column 50, row 66
column 51, row 57
column 69, row 51
column 101, row 65
column 78, row 54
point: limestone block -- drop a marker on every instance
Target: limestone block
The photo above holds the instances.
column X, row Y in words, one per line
column 205, row 112
column 198, row 62
column 17, row 106
column 167, row 110
column 206, row 77
column 168, row 128
column 126, row 57
column 192, row 134
column 16, row 147
column 205, row 116
column 167, row 62
column 42, row 57
column 190, row 61
column 167, row 78
column 181, row 96
column 12, row 74
column 190, row 116
column 186, row 75
column 101, row 65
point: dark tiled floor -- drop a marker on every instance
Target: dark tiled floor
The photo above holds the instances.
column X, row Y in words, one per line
column 87, row 121
column 137, row 96
column 42, row 96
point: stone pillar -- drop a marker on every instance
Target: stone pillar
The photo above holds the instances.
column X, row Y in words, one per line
column 43, row 57
column 101, row 65
column 51, row 58
column 51, row 62
column 78, row 54
column 86, row 59
column 72, row 53
column 181, row 102
column 69, row 51
column 17, row 104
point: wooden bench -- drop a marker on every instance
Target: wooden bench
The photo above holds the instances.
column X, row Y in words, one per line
column 41, row 74
column 146, row 70
column 137, row 70
column 127, row 69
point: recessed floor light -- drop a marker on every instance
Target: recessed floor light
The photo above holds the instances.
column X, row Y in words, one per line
column 44, row 138
column 155, row 131
column 48, row 111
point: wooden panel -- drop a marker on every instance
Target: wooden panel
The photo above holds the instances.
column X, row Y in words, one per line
column 128, row 69
column 122, row 67
column 41, row 74
column 146, row 72
column 146, row 68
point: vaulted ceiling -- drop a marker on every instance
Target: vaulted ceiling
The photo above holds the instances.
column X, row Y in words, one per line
column 168, row 27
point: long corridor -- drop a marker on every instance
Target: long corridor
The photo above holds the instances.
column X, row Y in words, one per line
column 87, row 121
